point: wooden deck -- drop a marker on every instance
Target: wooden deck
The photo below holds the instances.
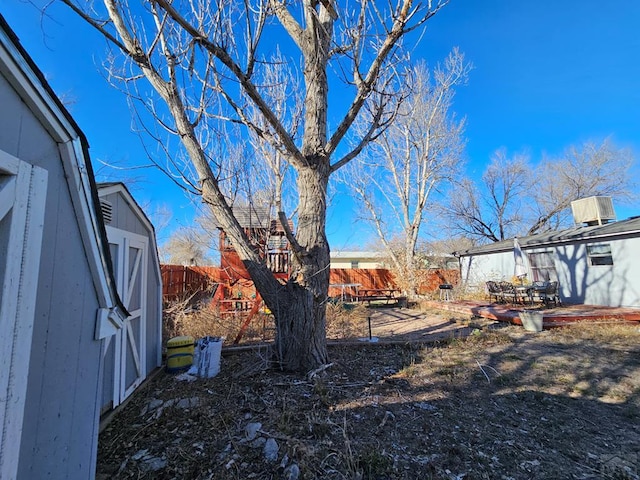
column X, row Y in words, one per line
column 552, row 317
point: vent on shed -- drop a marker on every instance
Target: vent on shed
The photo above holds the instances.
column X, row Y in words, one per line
column 593, row 210
column 107, row 210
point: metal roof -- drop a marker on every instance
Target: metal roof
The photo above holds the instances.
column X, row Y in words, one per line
column 624, row 228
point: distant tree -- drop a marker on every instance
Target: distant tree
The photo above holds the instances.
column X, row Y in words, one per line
column 185, row 247
column 592, row 169
column 515, row 197
column 208, row 62
column 395, row 177
column 490, row 210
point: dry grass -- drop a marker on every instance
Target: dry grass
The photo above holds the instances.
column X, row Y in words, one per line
column 346, row 321
column 501, row 403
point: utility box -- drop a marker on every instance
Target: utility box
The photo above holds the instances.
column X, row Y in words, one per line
column 593, row 211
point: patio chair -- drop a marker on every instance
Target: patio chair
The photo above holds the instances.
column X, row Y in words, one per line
column 494, row 291
column 536, row 290
column 550, row 294
column 508, row 291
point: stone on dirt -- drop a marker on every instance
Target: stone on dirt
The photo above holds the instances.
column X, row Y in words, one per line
column 270, row 450
column 251, row 430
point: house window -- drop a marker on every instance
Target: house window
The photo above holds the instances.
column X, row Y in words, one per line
column 599, row 254
column 355, row 264
column 543, row 267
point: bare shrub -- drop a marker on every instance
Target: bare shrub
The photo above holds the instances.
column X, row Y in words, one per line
column 208, row 321
column 346, row 320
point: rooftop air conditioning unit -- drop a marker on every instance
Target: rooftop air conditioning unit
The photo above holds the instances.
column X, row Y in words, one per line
column 593, row 210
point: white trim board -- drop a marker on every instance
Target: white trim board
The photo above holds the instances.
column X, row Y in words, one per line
column 25, row 187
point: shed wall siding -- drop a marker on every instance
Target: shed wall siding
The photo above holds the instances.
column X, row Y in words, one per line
column 125, row 218
column 61, row 418
column 154, row 325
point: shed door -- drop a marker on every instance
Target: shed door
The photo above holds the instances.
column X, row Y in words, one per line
column 129, row 253
column 23, row 190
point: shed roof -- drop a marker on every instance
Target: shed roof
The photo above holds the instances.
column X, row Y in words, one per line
column 624, row 228
column 28, row 80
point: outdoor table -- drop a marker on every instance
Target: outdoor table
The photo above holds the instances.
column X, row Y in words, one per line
column 523, row 291
column 343, row 287
column 369, row 294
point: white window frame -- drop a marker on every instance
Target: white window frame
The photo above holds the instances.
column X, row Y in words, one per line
column 543, row 271
column 604, row 255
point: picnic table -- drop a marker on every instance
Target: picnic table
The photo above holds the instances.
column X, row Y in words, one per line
column 388, row 295
column 345, row 289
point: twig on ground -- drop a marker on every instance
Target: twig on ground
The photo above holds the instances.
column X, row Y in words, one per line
column 485, row 373
column 318, row 370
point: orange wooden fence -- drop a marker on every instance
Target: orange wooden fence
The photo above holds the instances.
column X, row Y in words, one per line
column 179, row 281
column 379, row 278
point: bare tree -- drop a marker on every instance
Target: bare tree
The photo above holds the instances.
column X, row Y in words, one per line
column 491, row 210
column 201, row 59
column 592, row 169
column 186, row 246
column 421, row 151
column 516, row 198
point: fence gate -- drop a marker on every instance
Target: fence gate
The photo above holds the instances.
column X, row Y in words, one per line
column 129, row 254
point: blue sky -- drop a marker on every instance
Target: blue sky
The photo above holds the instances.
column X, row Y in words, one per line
column 548, row 74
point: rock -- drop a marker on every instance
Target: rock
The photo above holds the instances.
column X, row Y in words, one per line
column 271, row 450
column 426, row 406
column 186, row 377
column 139, row 454
column 188, row 402
column 251, row 430
column 292, row 472
column 258, row 442
column 155, row 463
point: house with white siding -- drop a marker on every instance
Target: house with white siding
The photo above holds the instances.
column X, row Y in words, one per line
column 357, row 259
column 596, row 262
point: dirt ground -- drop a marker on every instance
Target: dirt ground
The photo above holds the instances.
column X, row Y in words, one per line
column 485, row 401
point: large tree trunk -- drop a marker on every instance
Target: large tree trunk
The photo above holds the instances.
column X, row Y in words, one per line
column 301, row 325
column 300, row 307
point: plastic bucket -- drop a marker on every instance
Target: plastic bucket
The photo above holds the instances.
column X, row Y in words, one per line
column 207, row 357
column 179, row 353
column 531, row 320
